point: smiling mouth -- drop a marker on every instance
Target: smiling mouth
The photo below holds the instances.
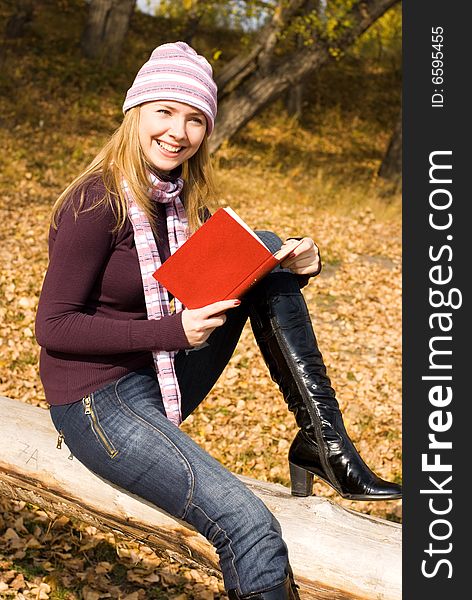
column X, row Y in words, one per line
column 169, row 148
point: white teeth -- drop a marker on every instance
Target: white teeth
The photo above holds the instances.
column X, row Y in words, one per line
column 168, row 148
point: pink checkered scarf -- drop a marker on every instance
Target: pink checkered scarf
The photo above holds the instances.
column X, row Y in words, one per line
column 156, row 296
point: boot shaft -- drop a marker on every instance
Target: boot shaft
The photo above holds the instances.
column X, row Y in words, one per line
column 287, row 590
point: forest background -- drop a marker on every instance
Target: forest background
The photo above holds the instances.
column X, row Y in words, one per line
column 319, row 157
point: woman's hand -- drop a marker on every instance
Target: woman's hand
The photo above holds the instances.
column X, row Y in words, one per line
column 199, row 323
column 305, row 259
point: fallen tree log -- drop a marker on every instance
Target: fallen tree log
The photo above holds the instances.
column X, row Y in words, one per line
column 335, row 553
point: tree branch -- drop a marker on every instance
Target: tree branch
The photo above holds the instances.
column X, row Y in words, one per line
column 264, row 85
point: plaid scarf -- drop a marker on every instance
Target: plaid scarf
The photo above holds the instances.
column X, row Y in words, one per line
column 156, row 296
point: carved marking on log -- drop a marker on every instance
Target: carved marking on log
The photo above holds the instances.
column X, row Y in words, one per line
column 32, row 456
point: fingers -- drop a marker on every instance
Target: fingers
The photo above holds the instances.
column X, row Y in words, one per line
column 293, row 242
column 290, row 243
column 219, row 307
column 216, row 321
column 301, row 267
column 305, row 259
column 306, row 245
column 311, row 270
column 199, row 323
column 307, row 250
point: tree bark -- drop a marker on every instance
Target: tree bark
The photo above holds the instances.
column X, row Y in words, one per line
column 191, row 27
column 191, row 22
column 294, row 101
column 106, row 28
column 335, row 553
column 261, row 82
column 17, row 24
column 295, row 93
column 391, row 167
column 241, row 67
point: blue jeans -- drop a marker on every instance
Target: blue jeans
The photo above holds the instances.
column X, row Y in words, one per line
column 121, row 433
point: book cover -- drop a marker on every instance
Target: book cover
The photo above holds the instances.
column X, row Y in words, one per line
column 220, row 261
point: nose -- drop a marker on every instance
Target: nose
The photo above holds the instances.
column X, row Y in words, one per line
column 178, row 128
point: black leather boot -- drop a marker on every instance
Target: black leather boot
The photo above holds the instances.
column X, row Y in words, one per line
column 283, row 591
column 283, row 330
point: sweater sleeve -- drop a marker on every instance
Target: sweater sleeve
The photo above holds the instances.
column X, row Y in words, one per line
column 65, row 322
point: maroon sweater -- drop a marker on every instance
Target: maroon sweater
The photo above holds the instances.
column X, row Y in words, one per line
column 91, row 321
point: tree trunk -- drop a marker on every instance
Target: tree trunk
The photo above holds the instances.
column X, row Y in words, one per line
column 106, row 28
column 17, row 24
column 335, row 553
column 294, row 101
column 294, row 94
column 237, row 70
column 190, row 28
column 263, row 81
column 391, row 167
column 191, row 22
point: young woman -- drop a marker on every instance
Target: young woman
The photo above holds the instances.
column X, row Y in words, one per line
column 121, row 369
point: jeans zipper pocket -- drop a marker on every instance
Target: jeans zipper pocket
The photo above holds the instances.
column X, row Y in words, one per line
column 88, row 410
column 60, row 439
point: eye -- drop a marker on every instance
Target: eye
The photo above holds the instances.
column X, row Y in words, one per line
column 163, row 111
column 198, row 120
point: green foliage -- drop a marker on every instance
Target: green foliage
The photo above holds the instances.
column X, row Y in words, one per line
column 331, row 20
column 382, row 42
column 60, row 593
column 119, row 573
column 27, row 568
column 103, row 551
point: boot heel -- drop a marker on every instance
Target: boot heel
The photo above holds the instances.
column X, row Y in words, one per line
column 301, row 481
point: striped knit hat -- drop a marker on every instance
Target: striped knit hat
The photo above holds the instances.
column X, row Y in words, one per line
column 176, row 72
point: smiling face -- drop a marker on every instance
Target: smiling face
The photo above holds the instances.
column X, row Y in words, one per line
column 170, row 133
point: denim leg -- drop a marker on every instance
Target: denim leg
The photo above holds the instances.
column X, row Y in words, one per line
column 121, row 433
column 270, row 239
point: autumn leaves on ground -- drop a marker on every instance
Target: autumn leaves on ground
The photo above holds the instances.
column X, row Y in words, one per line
column 314, row 178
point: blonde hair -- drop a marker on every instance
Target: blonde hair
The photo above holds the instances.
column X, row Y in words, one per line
column 122, row 158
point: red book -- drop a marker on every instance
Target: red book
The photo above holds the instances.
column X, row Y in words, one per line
column 220, row 261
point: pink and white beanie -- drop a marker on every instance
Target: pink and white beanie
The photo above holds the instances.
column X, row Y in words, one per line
column 176, row 72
